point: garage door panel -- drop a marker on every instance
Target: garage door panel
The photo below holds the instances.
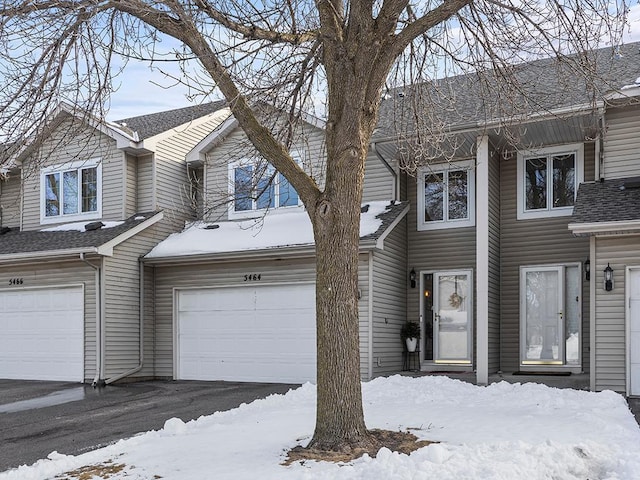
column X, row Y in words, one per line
column 249, row 333
column 43, row 334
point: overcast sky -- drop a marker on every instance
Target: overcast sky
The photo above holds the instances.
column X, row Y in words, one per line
column 141, row 90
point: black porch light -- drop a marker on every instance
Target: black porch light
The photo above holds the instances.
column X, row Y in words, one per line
column 608, row 278
column 587, row 270
column 412, row 278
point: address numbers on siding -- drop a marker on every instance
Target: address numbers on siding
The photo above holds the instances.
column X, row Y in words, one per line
column 16, row 281
column 253, row 277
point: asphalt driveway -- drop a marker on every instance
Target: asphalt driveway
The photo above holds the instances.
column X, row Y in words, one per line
column 37, row 418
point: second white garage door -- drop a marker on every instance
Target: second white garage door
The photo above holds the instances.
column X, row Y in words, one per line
column 42, row 334
column 263, row 333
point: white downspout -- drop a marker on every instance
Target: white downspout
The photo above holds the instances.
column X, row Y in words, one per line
column 138, row 367
column 96, row 378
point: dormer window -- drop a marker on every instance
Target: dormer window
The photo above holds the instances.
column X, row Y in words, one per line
column 71, row 191
column 257, row 187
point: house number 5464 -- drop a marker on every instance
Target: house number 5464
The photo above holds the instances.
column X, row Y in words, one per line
column 252, row 277
column 16, row 281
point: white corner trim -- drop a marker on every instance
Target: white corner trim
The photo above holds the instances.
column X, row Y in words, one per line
column 218, row 134
column 482, row 261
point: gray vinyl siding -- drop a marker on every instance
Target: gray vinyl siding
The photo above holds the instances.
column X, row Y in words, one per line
column 204, row 275
column 494, row 264
column 389, row 301
column 10, row 201
column 122, row 305
column 146, row 200
column 69, row 143
column 610, row 336
column 131, row 183
column 533, row 242
column 621, row 143
column 63, row 273
column 235, row 147
column 378, row 181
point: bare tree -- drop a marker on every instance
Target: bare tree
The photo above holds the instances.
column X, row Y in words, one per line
column 295, row 55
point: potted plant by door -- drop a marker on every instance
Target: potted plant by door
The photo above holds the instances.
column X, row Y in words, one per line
column 410, row 333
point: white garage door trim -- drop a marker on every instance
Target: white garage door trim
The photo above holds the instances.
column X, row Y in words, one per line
column 47, row 343
column 280, row 345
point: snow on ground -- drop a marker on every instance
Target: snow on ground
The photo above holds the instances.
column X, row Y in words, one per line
column 503, row 431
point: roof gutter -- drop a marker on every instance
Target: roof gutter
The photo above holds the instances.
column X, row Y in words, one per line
column 11, row 257
column 605, row 228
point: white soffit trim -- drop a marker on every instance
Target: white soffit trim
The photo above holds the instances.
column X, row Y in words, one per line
column 605, row 227
column 106, row 249
column 11, row 257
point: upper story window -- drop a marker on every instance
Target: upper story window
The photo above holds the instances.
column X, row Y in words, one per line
column 548, row 181
column 446, row 196
column 71, row 191
column 256, row 186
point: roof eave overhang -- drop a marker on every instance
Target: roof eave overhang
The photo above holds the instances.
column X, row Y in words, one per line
column 605, row 228
column 301, row 251
column 44, row 254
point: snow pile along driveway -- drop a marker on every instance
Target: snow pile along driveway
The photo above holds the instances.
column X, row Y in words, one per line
column 503, row 431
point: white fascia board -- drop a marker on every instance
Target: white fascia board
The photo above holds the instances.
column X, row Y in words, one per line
column 214, row 138
column 13, row 257
column 152, row 142
column 302, row 251
column 380, row 239
column 625, row 93
column 605, row 227
column 106, row 249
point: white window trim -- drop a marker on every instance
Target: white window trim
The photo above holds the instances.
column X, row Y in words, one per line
column 65, row 167
column 523, row 214
column 254, row 212
column 470, row 221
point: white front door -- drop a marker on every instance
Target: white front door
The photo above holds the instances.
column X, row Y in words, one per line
column 633, row 292
column 550, row 315
column 452, row 317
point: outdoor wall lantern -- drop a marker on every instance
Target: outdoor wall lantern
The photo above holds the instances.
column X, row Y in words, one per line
column 412, row 278
column 608, row 278
column 587, row 270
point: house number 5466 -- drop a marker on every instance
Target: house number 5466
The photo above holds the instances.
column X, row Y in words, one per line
column 16, row 281
column 252, row 277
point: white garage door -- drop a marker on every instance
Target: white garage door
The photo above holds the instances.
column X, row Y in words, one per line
column 249, row 333
column 42, row 334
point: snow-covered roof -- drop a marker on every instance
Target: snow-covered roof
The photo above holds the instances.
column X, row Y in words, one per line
column 271, row 231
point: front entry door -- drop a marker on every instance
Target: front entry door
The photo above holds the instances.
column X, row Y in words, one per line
column 542, row 307
column 452, row 317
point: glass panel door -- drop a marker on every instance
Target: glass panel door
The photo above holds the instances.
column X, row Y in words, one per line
column 452, row 307
column 542, row 312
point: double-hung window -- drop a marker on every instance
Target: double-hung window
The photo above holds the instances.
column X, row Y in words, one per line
column 446, row 196
column 548, row 181
column 71, row 191
column 256, row 187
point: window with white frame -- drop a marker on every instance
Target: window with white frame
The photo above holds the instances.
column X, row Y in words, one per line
column 71, row 191
column 256, row 186
column 446, row 196
column 548, row 181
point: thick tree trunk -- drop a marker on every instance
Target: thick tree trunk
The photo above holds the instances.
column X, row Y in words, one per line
column 339, row 416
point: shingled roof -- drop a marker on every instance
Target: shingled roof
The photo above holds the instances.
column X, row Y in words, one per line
column 610, row 204
column 14, row 242
column 150, row 125
column 480, row 98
